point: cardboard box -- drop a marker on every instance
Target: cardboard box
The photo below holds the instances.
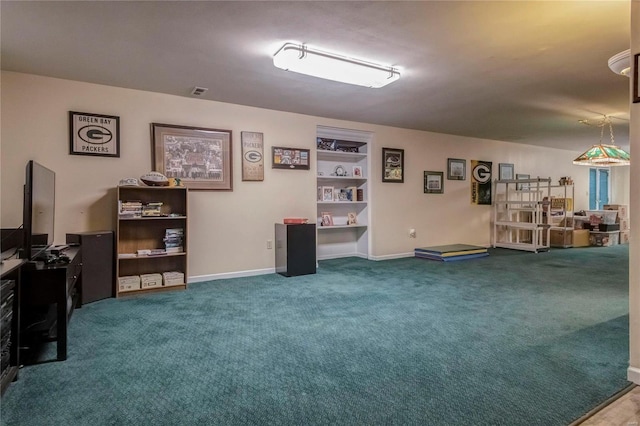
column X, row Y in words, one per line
column 150, row 280
column 622, row 209
column 559, row 238
column 624, row 237
column 604, row 239
column 173, row 278
column 129, row 283
column 581, row 238
column 624, row 223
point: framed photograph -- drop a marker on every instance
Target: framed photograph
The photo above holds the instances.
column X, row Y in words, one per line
column 456, row 169
column 290, row 158
column 357, row 171
column 326, row 219
column 392, row 165
column 433, row 182
column 200, row 157
column 327, row 193
column 522, row 186
column 94, row 134
column 352, row 218
column 636, row 78
column 505, row 171
column 252, row 156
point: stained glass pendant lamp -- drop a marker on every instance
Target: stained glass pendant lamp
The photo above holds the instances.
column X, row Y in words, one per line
column 604, row 155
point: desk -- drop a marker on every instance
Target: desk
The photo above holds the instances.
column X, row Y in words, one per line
column 10, row 270
column 54, row 284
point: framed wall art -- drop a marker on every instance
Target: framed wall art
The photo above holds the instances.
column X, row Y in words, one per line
column 505, row 171
column 94, row 134
column 456, row 169
column 392, row 165
column 636, row 78
column 252, row 156
column 290, row 158
column 522, row 186
column 433, row 182
column 200, row 157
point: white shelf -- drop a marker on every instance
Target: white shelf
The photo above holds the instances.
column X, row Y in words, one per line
column 329, row 228
column 342, row 240
column 521, row 225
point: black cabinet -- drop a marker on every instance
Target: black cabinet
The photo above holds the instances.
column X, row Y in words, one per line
column 295, row 249
column 98, row 266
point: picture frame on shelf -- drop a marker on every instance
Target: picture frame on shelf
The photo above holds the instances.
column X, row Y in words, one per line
column 636, row 78
column 357, row 172
column 200, row 157
column 456, row 169
column 342, row 195
column 97, row 135
column 522, row 186
column 352, row 218
column 433, row 182
column 393, row 165
column 327, row 193
column 252, row 156
column 290, row 158
column 326, row 219
column 505, row 171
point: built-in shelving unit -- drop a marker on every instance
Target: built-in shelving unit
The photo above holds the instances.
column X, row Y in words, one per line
column 150, row 233
column 518, row 214
column 343, row 166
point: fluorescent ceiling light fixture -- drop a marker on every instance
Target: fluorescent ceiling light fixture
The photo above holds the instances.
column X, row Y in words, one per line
column 305, row 60
column 604, row 155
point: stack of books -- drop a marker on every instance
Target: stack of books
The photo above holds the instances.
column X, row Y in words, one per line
column 173, row 240
column 151, row 209
column 129, row 209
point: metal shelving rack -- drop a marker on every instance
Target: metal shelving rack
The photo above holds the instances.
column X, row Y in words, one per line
column 518, row 219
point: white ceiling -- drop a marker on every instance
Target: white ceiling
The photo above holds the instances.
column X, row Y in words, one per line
column 519, row 71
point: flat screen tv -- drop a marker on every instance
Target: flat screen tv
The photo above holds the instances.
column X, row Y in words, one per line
column 38, row 211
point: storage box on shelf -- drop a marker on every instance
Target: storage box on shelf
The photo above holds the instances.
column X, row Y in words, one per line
column 518, row 214
column 342, row 206
column 152, row 244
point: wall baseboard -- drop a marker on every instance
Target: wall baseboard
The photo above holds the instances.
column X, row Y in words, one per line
column 633, row 375
column 227, row 275
column 254, row 272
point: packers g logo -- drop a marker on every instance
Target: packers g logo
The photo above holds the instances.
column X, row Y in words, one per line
column 95, row 135
column 482, row 173
column 252, row 156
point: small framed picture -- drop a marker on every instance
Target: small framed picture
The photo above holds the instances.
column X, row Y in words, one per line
column 290, row 158
column 456, row 169
column 392, row 165
column 433, row 182
column 357, row 171
column 522, row 186
column 327, row 193
column 94, row 134
column 326, row 219
column 505, row 171
column 352, row 218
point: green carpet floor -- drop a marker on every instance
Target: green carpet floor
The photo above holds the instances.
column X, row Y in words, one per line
column 512, row 339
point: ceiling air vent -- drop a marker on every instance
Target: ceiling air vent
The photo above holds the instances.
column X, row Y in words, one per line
column 198, row 91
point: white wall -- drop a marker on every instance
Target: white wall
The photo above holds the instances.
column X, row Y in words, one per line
column 228, row 230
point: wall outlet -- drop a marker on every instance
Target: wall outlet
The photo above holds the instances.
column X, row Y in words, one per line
column 269, row 244
column 412, row 233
